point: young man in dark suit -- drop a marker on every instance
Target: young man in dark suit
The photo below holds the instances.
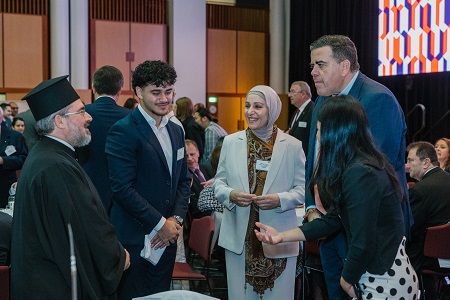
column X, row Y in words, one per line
column 107, row 84
column 300, row 123
column 430, row 205
column 149, row 180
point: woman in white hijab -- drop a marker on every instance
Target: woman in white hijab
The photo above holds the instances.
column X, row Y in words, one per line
column 260, row 177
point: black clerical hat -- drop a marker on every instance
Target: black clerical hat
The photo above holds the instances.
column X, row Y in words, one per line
column 50, row 96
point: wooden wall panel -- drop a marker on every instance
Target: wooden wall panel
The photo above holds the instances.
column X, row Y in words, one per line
column 251, row 60
column 282, row 121
column 229, row 112
column 111, row 46
column 24, row 54
column 148, row 42
column 221, row 61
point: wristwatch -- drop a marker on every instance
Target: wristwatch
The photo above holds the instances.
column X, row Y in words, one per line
column 179, row 219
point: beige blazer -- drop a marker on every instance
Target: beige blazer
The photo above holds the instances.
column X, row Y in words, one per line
column 286, row 177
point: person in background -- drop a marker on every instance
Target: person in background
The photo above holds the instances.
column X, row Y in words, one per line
column 54, row 191
column 260, row 177
column 18, row 124
column 430, row 205
column 30, row 134
column 149, row 180
column 107, row 84
column 131, row 103
column 200, row 174
column 14, row 109
column 197, row 106
column 442, row 147
column 300, row 123
column 335, row 71
column 13, row 153
column 213, row 132
column 6, row 110
column 193, row 131
column 350, row 165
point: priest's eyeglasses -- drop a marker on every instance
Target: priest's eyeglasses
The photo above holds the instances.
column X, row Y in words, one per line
column 80, row 112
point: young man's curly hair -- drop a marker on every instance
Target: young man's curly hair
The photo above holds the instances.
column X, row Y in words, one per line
column 155, row 72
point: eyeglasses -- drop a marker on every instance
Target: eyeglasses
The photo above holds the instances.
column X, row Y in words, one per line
column 80, row 112
column 291, row 93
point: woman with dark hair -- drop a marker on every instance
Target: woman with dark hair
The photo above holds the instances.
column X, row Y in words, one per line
column 131, row 103
column 193, row 131
column 363, row 196
column 18, row 124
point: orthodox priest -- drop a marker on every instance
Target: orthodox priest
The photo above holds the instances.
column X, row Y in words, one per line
column 54, row 191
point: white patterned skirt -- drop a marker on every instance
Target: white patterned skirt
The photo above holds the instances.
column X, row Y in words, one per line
column 400, row 282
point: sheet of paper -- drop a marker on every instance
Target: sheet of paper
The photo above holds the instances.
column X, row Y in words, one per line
column 150, row 253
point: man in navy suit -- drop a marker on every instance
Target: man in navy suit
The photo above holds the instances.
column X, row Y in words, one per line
column 107, row 84
column 149, row 180
column 300, row 123
column 335, row 71
column 13, row 153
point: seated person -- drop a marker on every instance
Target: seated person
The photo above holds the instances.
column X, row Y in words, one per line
column 200, row 174
column 430, row 205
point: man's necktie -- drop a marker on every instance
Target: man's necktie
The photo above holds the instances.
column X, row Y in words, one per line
column 199, row 174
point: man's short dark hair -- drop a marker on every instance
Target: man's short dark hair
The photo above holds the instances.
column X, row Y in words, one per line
column 107, row 80
column 4, row 105
column 424, row 150
column 155, row 72
column 342, row 48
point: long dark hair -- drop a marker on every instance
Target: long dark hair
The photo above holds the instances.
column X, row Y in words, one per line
column 344, row 135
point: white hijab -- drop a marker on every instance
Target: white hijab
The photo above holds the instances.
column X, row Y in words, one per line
column 273, row 103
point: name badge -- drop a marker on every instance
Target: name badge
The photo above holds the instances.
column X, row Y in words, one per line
column 302, row 124
column 10, row 149
column 180, row 153
column 262, row 165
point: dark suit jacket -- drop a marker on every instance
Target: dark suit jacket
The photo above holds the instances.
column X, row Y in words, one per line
column 196, row 188
column 430, row 204
column 302, row 132
column 388, row 127
column 105, row 112
column 372, row 218
column 194, row 132
column 11, row 163
column 143, row 189
column 5, row 238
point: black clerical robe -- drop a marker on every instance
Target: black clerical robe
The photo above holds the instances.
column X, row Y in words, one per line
column 53, row 190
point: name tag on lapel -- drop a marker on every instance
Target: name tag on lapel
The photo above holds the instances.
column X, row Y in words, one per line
column 302, row 124
column 262, row 165
column 180, row 153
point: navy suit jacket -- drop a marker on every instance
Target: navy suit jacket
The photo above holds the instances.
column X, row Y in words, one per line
column 430, row 204
column 299, row 132
column 105, row 112
column 143, row 189
column 387, row 125
column 12, row 162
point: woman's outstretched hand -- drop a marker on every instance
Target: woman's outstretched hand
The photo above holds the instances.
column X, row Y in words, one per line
column 268, row 234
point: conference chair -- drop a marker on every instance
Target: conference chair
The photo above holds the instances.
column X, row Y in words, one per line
column 200, row 242
column 437, row 245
